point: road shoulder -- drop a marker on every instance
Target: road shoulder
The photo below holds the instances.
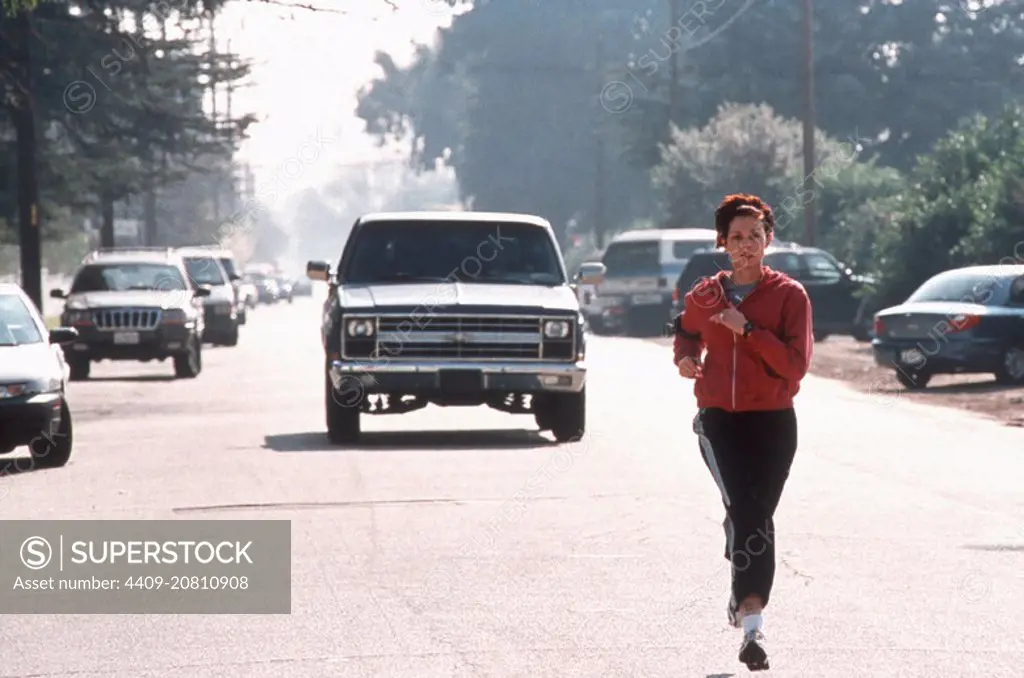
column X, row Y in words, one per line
column 851, row 362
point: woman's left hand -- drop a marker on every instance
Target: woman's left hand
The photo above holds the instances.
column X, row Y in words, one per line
column 732, row 319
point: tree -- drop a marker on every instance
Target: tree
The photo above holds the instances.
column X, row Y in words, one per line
column 510, row 98
column 964, row 205
column 745, row 149
column 898, row 74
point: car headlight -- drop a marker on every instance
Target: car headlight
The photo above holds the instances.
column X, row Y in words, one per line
column 556, row 329
column 361, row 327
column 28, row 388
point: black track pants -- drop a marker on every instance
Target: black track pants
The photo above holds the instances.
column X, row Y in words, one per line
column 749, row 455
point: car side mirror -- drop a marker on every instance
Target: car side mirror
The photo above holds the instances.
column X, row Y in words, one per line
column 234, row 277
column 63, row 335
column 592, row 273
column 202, row 291
column 57, row 294
column 318, row 270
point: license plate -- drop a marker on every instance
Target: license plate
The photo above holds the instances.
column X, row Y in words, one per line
column 647, row 299
column 126, row 337
column 911, row 357
column 461, row 381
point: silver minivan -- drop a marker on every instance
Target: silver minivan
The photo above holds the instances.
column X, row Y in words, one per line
column 641, row 269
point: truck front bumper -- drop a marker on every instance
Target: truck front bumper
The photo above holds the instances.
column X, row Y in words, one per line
column 430, row 377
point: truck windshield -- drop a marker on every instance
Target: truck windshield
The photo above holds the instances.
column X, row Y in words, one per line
column 453, row 251
column 632, row 259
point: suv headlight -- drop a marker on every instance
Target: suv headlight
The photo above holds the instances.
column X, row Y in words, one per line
column 361, row 327
column 174, row 316
column 557, row 329
column 77, row 317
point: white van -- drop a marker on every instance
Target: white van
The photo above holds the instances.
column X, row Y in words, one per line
column 641, row 269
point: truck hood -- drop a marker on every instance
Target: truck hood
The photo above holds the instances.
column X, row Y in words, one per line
column 458, row 295
column 147, row 299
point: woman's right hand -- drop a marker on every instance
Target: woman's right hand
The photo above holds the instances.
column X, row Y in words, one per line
column 690, row 368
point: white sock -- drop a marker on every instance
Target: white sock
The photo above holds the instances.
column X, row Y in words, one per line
column 753, row 622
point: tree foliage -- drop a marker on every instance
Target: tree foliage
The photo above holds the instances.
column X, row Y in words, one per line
column 743, row 148
column 511, row 94
column 964, row 205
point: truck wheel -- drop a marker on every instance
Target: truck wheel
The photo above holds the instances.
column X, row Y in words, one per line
column 342, row 409
column 189, row 364
column 54, row 452
column 232, row 338
column 569, row 416
column 543, row 413
column 79, row 369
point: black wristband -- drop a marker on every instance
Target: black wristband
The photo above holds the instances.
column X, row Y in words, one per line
column 747, row 329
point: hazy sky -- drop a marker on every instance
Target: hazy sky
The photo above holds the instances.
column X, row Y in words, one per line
column 307, row 69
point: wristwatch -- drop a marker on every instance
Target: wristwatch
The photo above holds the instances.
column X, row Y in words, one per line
column 747, row 329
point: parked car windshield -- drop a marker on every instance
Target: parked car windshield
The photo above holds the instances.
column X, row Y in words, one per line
column 204, row 271
column 17, row 326
column 478, row 252
column 229, row 266
column 122, row 277
column 969, row 287
column 632, row 258
column 702, row 266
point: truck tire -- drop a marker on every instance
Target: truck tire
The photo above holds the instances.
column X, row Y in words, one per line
column 569, row 416
column 343, row 417
column 232, row 338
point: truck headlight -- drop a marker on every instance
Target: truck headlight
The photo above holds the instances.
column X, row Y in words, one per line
column 361, row 327
column 556, row 329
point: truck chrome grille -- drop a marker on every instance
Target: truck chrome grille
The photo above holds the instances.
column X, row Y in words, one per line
column 127, row 318
column 451, row 337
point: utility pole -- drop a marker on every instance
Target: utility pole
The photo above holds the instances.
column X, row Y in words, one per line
column 232, row 189
column 24, row 119
column 810, row 206
column 600, row 224
column 673, row 83
column 216, row 120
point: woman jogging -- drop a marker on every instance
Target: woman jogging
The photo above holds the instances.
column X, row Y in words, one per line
column 755, row 324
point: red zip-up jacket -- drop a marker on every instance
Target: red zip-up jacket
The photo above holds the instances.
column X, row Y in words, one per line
column 761, row 371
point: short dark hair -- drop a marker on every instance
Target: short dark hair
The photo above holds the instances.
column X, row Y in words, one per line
column 742, row 205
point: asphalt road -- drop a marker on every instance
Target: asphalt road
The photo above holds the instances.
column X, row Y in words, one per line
column 900, row 534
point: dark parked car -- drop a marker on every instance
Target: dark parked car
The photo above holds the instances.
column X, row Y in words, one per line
column 454, row 309
column 134, row 304
column 836, row 293
column 34, row 410
column 968, row 320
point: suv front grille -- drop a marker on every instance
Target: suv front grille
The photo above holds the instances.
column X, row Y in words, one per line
column 127, row 318
column 448, row 337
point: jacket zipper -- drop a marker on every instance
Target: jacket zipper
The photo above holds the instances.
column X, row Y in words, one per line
column 734, row 345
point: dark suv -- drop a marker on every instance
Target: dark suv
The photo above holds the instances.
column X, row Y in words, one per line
column 205, row 269
column 137, row 305
column 836, row 293
column 452, row 308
